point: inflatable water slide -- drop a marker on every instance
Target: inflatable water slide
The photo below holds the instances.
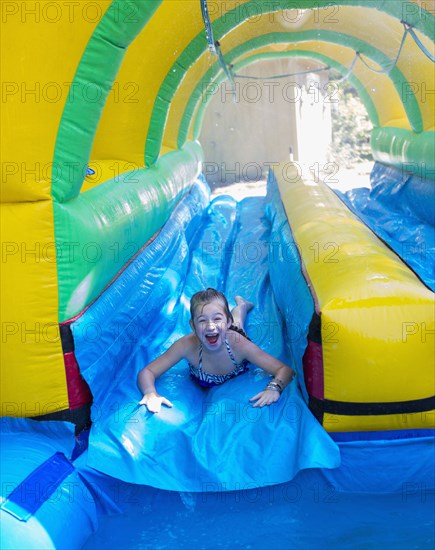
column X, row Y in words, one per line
column 108, row 229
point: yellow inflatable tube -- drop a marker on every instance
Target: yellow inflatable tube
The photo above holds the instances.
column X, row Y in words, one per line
column 369, row 364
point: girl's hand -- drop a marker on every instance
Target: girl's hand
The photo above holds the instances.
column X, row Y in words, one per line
column 153, row 402
column 265, row 397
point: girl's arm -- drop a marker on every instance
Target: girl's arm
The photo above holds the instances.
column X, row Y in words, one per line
column 282, row 373
column 148, row 375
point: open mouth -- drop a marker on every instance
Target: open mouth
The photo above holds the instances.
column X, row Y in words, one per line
column 212, row 338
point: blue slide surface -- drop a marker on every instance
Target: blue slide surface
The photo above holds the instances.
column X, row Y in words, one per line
column 211, row 440
column 400, row 208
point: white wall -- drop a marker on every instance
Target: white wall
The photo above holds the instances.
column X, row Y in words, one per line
column 245, row 132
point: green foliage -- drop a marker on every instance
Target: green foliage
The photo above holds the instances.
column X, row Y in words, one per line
column 351, row 129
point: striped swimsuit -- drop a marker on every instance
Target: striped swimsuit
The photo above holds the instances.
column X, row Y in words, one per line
column 207, row 380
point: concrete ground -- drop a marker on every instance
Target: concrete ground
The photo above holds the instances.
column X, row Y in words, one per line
column 342, row 179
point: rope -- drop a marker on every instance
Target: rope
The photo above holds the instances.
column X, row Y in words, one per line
column 349, row 71
column 214, row 46
column 228, row 69
column 282, row 75
column 215, row 49
column 352, row 65
column 208, row 27
column 419, row 43
column 393, row 63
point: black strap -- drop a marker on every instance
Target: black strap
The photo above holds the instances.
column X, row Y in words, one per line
column 321, row 406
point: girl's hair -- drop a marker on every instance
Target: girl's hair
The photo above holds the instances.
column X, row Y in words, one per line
column 204, row 297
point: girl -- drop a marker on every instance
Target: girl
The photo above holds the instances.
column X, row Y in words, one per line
column 216, row 351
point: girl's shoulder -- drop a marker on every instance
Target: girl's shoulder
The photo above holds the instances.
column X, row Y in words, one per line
column 187, row 344
column 238, row 342
column 235, row 335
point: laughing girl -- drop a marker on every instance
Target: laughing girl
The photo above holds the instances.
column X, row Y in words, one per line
column 216, row 351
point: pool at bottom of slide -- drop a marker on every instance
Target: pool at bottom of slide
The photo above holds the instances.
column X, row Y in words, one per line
column 308, row 513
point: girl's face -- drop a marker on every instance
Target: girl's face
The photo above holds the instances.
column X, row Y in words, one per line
column 210, row 324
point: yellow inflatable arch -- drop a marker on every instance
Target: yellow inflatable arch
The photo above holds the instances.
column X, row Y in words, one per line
column 102, row 106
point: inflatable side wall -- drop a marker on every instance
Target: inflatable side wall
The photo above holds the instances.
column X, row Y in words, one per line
column 103, row 91
column 368, row 364
column 44, row 502
column 103, row 105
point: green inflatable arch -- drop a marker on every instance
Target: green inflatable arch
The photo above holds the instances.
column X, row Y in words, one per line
column 104, row 57
column 105, row 52
column 90, row 228
column 197, row 103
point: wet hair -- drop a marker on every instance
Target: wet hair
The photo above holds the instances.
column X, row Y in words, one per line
column 204, row 297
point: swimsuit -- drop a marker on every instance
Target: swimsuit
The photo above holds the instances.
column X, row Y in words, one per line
column 207, row 380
